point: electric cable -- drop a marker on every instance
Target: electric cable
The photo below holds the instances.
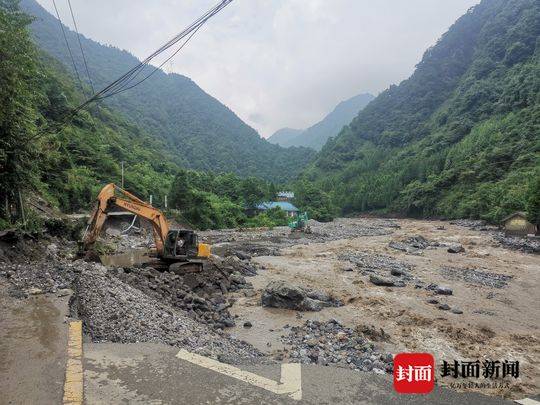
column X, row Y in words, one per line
column 67, row 46
column 80, row 46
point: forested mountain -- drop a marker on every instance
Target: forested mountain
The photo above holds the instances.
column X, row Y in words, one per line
column 201, row 132
column 48, row 153
column 461, row 136
column 316, row 136
column 44, row 152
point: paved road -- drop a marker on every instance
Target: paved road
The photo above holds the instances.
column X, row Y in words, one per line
column 148, row 373
column 33, row 341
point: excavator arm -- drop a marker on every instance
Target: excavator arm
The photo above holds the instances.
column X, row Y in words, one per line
column 107, row 199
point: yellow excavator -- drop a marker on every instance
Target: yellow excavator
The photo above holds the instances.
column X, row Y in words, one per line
column 177, row 250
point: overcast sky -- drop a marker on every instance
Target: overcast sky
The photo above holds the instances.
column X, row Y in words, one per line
column 277, row 63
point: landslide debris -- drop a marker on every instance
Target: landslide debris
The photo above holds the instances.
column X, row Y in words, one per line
column 269, row 242
column 413, row 245
column 279, row 294
column 113, row 311
column 527, row 245
column 331, row 343
column 382, row 270
column 475, row 276
column 200, row 294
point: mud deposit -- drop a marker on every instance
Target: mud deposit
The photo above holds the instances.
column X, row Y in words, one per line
column 476, row 305
column 385, row 286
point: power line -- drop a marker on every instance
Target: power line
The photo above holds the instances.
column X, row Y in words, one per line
column 80, row 46
column 125, row 81
column 155, row 69
column 67, row 45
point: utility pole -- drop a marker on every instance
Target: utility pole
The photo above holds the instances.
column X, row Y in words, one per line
column 122, row 173
column 150, row 199
column 165, row 201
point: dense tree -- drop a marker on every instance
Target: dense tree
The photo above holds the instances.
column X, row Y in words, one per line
column 533, row 201
column 207, row 200
column 460, row 137
column 18, row 100
column 312, row 199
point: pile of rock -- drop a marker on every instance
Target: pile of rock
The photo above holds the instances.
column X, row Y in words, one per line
column 332, row 344
column 344, row 228
column 528, row 245
column 201, row 294
column 201, row 299
column 475, row 276
column 43, row 277
column 413, row 245
column 114, row 311
column 382, row 270
column 279, row 294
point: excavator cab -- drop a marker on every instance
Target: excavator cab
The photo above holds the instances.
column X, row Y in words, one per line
column 180, row 244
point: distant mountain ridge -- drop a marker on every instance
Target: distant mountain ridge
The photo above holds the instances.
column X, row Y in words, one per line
column 316, row 136
column 285, row 136
column 200, row 132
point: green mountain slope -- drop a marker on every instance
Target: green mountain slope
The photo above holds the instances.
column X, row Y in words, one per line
column 66, row 161
column 203, row 133
column 316, row 136
column 461, row 136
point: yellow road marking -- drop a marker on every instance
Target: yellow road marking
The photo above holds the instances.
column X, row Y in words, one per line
column 73, row 386
column 290, row 383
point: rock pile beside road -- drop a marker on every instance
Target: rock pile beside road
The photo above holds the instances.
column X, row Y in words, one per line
column 46, row 276
column 201, row 294
column 330, row 343
column 114, row 311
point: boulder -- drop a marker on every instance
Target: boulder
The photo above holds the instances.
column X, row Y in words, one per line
column 443, row 290
column 455, row 248
column 377, row 280
column 279, row 294
column 399, row 272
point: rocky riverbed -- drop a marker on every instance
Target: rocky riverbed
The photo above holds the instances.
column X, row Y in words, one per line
column 350, row 294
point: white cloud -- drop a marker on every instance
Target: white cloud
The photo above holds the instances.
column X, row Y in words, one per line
column 278, row 63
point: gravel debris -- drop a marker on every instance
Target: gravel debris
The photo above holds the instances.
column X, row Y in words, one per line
column 382, row 270
column 413, row 245
column 269, row 242
column 330, row 343
column 47, row 276
column 527, row 245
column 474, row 276
column 113, row 311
